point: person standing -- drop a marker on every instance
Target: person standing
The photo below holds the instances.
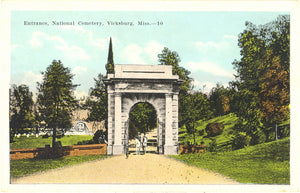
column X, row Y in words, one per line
column 145, row 140
column 138, row 145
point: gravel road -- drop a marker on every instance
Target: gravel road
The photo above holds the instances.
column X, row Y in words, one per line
column 137, row 169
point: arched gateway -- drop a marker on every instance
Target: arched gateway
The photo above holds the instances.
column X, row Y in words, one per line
column 131, row 84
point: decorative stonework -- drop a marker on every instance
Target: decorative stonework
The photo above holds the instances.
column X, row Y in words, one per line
column 131, row 84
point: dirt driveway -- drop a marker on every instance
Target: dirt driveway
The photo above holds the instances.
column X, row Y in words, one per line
column 137, row 169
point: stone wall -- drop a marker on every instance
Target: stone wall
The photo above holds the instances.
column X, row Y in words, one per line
column 65, row 151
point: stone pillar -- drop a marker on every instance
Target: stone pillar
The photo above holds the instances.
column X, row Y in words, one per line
column 117, row 147
column 110, row 99
column 169, row 148
column 175, row 121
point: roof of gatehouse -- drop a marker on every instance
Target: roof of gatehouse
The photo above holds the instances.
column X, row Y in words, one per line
column 142, row 72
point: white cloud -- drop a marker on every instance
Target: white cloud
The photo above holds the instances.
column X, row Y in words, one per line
column 15, row 46
column 36, row 40
column 71, row 51
column 30, row 79
column 132, row 54
column 101, row 43
column 136, row 54
column 203, row 86
column 152, row 49
column 210, row 68
column 224, row 44
column 233, row 37
column 78, row 70
column 79, row 94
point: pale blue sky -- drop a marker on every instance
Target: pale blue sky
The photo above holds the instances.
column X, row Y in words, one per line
column 205, row 41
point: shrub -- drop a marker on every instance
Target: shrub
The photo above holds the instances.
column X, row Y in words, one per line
column 201, row 132
column 214, row 129
column 99, row 137
column 212, row 145
column 258, row 137
column 240, row 140
column 84, row 142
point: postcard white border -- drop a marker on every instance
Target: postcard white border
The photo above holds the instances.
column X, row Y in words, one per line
column 13, row 5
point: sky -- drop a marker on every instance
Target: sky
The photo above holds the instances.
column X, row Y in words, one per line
column 207, row 43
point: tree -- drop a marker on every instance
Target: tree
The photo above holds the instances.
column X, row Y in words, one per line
column 143, row 117
column 110, row 68
column 97, row 101
column 219, row 98
column 55, row 99
column 168, row 57
column 263, row 77
column 21, row 109
column 274, row 93
column 198, row 108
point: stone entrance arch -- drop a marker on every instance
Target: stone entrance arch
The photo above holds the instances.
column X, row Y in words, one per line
column 154, row 84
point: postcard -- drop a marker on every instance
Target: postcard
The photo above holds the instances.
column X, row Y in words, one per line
column 155, row 96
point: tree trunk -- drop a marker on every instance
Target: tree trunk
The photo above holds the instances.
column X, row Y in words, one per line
column 276, row 136
column 54, row 137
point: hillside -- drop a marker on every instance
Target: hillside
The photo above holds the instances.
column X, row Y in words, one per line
column 225, row 138
column 267, row 163
column 228, row 121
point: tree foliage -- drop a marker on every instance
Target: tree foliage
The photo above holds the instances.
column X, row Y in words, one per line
column 55, row 98
column 97, row 101
column 168, row 57
column 263, row 77
column 219, row 98
column 21, row 109
column 110, row 66
column 198, row 108
column 142, row 118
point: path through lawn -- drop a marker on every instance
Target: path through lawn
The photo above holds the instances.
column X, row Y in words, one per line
column 137, row 169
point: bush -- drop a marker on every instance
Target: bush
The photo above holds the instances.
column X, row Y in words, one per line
column 84, row 142
column 240, row 140
column 214, row 129
column 212, row 145
column 99, row 137
column 201, row 132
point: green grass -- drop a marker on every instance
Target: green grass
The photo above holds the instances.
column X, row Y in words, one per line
column 32, row 141
column 228, row 120
column 266, row 163
column 28, row 166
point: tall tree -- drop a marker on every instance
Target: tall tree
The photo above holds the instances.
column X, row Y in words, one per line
column 263, row 76
column 55, row 99
column 168, row 57
column 198, row 109
column 110, row 66
column 97, row 101
column 219, row 98
column 21, row 109
column 274, row 93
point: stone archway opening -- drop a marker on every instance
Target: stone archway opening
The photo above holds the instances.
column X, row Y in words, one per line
column 131, row 84
column 143, row 121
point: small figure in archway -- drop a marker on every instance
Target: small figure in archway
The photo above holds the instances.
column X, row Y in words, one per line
column 102, row 139
column 145, row 139
column 127, row 150
column 138, row 145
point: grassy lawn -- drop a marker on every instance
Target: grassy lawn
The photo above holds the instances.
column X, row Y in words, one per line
column 266, row 163
column 29, row 166
column 228, row 120
column 32, row 141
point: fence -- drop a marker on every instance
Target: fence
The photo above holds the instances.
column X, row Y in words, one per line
column 64, row 151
